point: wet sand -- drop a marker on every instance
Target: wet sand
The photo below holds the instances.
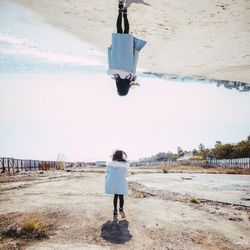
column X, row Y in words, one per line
column 226, row 188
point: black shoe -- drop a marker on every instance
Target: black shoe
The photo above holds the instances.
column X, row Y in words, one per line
column 121, row 6
column 115, row 214
column 123, row 215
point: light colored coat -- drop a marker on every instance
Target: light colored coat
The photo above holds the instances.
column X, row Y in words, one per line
column 115, row 179
column 124, row 52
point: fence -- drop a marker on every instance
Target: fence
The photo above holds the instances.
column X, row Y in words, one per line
column 17, row 165
column 149, row 164
column 229, row 163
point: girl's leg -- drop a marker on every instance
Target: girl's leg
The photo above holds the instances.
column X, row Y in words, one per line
column 119, row 19
column 121, row 200
column 126, row 23
column 121, row 207
column 115, row 202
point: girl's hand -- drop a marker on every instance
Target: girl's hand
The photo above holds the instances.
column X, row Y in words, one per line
column 116, row 76
column 129, row 76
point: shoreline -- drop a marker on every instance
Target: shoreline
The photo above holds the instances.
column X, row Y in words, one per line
column 207, row 40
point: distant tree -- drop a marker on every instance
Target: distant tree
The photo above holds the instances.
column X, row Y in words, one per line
column 171, row 156
column 242, row 149
column 203, row 152
column 223, row 151
column 248, row 138
column 195, row 152
column 61, row 157
column 161, row 157
column 180, row 152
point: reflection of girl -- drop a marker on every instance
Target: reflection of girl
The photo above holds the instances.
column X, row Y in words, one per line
column 115, row 180
column 123, row 54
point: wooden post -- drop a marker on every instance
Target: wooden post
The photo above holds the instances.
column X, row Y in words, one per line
column 17, row 167
column 3, row 165
column 8, row 161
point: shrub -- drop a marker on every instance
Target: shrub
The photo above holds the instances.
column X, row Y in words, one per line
column 29, row 226
column 34, row 226
column 195, row 201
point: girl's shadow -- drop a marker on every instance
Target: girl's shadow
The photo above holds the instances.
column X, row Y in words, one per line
column 116, row 232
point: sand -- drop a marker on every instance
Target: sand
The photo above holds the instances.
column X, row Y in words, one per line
column 154, row 221
column 185, row 38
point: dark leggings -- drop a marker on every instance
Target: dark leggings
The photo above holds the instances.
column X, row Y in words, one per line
column 121, row 200
column 119, row 23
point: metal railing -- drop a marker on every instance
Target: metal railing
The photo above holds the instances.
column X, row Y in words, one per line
column 19, row 165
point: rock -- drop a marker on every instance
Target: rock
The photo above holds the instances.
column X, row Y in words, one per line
column 235, row 219
column 18, row 230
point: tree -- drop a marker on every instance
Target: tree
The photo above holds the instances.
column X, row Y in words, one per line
column 203, row 152
column 180, row 152
column 195, row 152
column 161, row 157
column 61, row 157
column 223, row 151
column 242, row 149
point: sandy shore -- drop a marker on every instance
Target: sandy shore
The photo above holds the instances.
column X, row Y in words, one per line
column 154, row 220
column 190, row 38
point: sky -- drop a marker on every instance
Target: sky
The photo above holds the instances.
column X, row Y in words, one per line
column 55, row 98
column 81, row 116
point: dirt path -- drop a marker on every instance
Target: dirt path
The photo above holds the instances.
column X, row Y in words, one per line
column 152, row 222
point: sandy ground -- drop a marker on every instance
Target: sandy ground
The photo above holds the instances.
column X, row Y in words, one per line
column 154, row 221
column 185, row 38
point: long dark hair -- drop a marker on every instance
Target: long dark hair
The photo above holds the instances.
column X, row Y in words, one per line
column 123, row 85
column 119, row 155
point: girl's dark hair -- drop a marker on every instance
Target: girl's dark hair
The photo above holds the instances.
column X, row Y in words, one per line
column 119, row 155
column 123, row 86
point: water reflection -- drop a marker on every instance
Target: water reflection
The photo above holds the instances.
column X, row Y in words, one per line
column 240, row 86
column 24, row 50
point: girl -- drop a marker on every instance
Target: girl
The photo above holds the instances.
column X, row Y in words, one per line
column 115, row 180
column 123, row 53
